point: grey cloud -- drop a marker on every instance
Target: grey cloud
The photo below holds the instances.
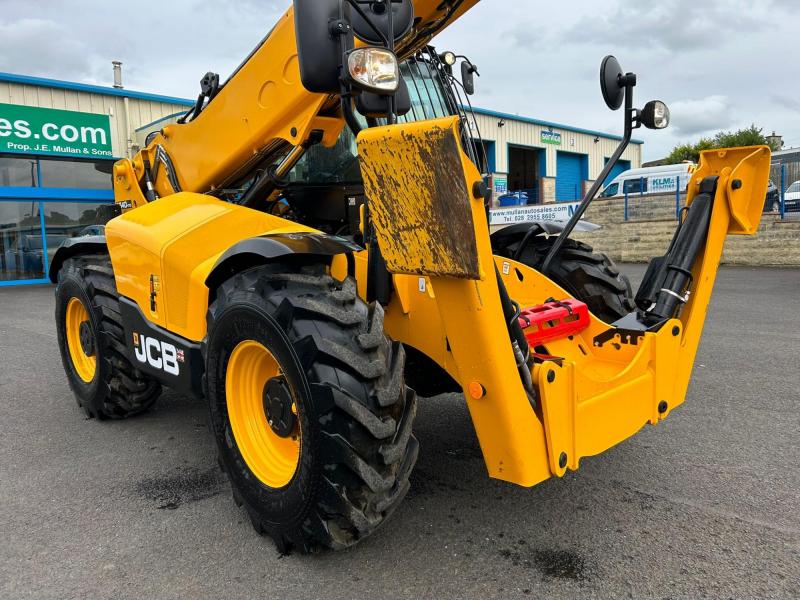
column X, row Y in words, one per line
column 41, row 46
column 792, row 103
column 696, row 117
column 673, row 25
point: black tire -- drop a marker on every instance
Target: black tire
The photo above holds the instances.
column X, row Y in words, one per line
column 118, row 389
column 588, row 276
column 355, row 413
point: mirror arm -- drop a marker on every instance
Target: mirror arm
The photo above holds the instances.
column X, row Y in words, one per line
column 350, row 115
column 630, row 117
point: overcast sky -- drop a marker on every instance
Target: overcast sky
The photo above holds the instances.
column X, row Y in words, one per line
column 719, row 64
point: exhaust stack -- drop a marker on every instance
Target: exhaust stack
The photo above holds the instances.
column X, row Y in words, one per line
column 117, row 74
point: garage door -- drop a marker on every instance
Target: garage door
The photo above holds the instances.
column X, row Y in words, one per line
column 620, row 167
column 570, row 174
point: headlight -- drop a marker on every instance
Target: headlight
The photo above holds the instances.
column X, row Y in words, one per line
column 655, row 115
column 374, row 69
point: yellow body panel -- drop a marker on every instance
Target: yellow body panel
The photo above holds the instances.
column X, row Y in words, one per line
column 177, row 241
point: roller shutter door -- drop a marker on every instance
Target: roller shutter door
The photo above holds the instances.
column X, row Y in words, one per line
column 619, row 168
column 569, row 177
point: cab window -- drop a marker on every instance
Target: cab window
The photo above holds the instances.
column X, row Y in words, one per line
column 635, row 186
column 610, row 191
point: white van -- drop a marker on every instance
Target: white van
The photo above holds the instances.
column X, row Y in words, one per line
column 650, row 180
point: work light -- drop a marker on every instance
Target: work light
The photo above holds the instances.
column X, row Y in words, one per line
column 448, row 58
column 655, row 115
column 374, row 69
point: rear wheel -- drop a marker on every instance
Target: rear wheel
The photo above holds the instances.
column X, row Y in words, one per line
column 91, row 340
column 308, row 406
column 588, row 276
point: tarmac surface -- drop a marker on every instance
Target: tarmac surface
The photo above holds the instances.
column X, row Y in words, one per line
column 705, row 505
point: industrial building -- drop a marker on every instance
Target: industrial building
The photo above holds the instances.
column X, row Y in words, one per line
column 58, row 144
column 551, row 162
column 59, row 141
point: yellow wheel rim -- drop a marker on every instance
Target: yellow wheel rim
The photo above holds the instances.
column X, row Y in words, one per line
column 85, row 365
column 271, row 458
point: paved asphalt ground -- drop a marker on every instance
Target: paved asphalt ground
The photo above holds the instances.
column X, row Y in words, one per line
column 705, row 505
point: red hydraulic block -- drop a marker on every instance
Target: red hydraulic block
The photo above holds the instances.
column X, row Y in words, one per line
column 553, row 320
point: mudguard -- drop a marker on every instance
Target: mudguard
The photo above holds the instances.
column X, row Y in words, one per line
column 89, row 244
column 257, row 250
column 539, row 228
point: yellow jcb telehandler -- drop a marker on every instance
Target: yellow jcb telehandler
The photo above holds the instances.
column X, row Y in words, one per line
column 309, row 243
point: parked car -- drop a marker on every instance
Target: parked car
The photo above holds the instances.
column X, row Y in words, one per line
column 791, row 199
column 772, row 202
column 650, row 180
column 92, row 230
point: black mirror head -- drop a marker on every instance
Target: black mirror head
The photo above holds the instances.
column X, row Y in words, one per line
column 318, row 51
column 612, row 83
column 468, row 78
column 402, row 21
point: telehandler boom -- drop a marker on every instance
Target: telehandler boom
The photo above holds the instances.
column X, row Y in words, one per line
column 309, row 244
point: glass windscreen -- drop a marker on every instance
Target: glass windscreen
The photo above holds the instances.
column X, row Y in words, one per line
column 323, row 166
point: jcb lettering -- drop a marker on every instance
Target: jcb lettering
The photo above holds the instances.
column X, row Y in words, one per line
column 156, row 353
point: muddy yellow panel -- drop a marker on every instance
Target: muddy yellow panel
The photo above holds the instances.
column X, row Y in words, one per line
column 419, row 198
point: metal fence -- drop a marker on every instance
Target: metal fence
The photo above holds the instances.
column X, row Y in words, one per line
column 781, row 198
column 647, row 205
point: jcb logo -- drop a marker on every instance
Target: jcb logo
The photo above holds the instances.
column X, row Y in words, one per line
column 156, row 353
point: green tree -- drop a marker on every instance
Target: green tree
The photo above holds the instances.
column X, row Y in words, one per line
column 751, row 136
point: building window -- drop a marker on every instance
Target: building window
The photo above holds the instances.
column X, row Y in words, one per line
column 35, row 217
column 64, row 220
column 21, row 255
column 17, row 171
column 80, row 174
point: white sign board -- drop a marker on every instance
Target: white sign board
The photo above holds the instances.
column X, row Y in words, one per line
column 662, row 184
column 529, row 214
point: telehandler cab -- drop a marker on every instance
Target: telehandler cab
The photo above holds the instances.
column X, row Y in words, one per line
column 312, row 235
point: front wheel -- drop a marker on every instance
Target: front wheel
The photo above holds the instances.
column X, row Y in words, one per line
column 308, row 406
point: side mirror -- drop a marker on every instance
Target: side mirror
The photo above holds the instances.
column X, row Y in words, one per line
column 319, row 52
column 468, row 71
column 612, row 82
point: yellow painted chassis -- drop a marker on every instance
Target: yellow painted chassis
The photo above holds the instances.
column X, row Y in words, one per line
column 447, row 305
